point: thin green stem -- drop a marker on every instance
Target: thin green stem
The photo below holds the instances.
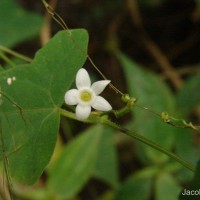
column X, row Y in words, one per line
column 149, row 143
column 18, row 55
column 7, row 60
column 104, row 120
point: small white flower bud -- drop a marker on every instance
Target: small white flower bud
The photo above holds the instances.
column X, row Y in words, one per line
column 9, row 81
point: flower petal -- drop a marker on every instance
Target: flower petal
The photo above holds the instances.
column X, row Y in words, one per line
column 101, row 104
column 82, row 112
column 99, row 86
column 82, row 79
column 71, row 97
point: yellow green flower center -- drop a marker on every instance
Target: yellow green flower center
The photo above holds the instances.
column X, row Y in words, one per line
column 86, row 96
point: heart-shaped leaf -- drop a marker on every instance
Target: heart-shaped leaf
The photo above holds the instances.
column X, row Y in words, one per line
column 30, row 129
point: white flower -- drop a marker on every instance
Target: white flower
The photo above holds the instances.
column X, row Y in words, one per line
column 87, row 95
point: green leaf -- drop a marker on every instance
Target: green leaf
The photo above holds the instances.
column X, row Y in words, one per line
column 30, row 131
column 193, row 191
column 151, row 92
column 189, row 96
column 137, row 186
column 16, row 24
column 187, row 99
column 106, row 166
column 166, row 187
column 185, row 139
column 76, row 164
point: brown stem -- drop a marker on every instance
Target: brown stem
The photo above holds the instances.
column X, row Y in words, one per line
column 45, row 33
column 4, row 190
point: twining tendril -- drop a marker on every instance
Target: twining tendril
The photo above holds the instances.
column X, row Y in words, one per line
column 164, row 116
column 173, row 121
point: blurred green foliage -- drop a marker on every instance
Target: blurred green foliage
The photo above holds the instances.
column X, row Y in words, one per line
column 153, row 93
column 16, row 24
column 193, row 186
column 188, row 97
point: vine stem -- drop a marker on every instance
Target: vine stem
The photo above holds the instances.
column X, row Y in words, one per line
column 149, row 143
column 18, row 55
column 105, row 121
column 7, row 60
